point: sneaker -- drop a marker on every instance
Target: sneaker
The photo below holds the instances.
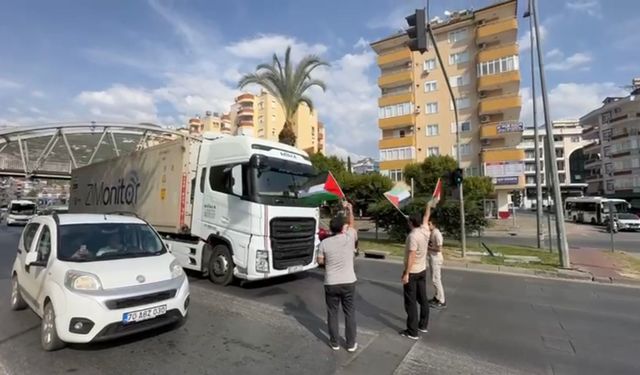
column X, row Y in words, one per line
column 353, row 348
column 432, row 300
column 406, row 334
column 334, row 346
column 439, row 305
column 423, row 330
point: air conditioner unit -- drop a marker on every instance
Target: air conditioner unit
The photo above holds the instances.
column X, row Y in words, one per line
column 486, row 142
column 416, row 111
column 482, row 45
column 482, row 94
column 484, row 119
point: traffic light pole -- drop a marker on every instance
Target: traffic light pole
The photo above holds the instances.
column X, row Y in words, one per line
column 463, row 235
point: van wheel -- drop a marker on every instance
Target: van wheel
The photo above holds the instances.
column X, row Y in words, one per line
column 48, row 330
column 17, row 302
column 221, row 265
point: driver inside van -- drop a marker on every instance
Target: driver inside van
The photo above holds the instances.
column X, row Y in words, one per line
column 114, row 245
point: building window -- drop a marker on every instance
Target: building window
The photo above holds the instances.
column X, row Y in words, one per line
column 458, row 58
column 433, row 151
column 531, row 179
column 457, row 81
column 432, row 130
column 430, row 86
column 430, row 65
column 395, row 110
column 261, row 119
column 458, row 35
column 261, row 105
column 403, row 153
column 462, row 103
column 465, row 149
column 432, row 107
column 607, row 151
column 502, row 65
column 610, row 185
column 560, row 165
column 465, row 127
column 395, row 175
column 575, row 139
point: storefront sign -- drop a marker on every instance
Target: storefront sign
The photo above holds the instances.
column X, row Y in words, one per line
column 504, row 169
column 511, row 180
column 509, row 127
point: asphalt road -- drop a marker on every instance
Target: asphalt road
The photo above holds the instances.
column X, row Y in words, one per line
column 495, row 324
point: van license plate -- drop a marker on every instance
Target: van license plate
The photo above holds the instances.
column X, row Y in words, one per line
column 140, row 315
column 295, row 269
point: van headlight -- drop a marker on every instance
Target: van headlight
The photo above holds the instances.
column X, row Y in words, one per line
column 176, row 269
column 78, row 280
column 262, row 261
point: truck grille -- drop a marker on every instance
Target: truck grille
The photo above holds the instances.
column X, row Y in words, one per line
column 144, row 299
column 292, row 241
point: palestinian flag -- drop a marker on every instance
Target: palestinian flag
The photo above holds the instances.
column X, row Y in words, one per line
column 321, row 188
column 437, row 192
column 399, row 196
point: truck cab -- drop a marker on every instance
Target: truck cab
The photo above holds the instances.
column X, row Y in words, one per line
column 247, row 212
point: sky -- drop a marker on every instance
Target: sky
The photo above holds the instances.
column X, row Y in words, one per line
column 164, row 61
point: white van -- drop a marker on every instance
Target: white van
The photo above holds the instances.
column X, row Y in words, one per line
column 20, row 212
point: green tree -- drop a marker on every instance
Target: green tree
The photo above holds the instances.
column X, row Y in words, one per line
column 289, row 84
column 476, row 188
column 362, row 190
column 426, row 174
column 333, row 164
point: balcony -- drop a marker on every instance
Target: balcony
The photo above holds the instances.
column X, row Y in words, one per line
column 491, row 29
column 496, row 80
column 396, row 57
column 499, row 104
column 494, row 53
column 396, row 142
column 245, row 111
column 396, row 98
column 396, row 122
column 245, row 98
column 503, row 154
column 394, row 164
column 248, row 122
column 402, row 77
column 490, row 131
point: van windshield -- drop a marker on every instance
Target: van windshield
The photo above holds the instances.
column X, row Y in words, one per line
column 96, row 242
column 22, row 209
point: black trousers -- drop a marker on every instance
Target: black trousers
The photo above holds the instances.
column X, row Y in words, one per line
column 341, row 294
column 415, row 293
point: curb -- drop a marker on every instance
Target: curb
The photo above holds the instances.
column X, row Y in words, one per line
column 559, row 274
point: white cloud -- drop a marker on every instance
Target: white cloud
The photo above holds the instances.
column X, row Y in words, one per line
column 575, row 61
column 37, row 94
column 342, row 153
column 525, row 40
column 554, row 53
column 13, row 110
column 361, row 44
column 119, row 103
column 6, row 83
column 568, row 100
column 590, row 7
column 349, row 106
column 35, row 110
column 263, row 46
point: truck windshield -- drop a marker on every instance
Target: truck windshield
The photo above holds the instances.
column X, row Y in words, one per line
column 278, row 182
column 22, row 209
column 97, row 242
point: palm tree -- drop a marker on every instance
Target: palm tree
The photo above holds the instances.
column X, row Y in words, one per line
column 288, row 84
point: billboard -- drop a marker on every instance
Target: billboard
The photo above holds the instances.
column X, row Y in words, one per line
column 504, row 169
column 509, row 126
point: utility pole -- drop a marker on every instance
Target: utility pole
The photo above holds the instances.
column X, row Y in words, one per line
column 536, row 135
column 563, row 245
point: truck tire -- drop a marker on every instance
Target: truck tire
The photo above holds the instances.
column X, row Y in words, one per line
column 220, row 266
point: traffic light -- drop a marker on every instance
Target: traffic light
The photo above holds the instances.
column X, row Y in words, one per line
column 457, row 177
column 516, row 198
column 417, row 31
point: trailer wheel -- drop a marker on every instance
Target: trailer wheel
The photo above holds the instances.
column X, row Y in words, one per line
column 220, row 266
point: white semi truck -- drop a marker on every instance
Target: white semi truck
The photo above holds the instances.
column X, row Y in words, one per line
column 227, row 206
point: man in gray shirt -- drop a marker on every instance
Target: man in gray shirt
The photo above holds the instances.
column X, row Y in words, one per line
column 337, row 254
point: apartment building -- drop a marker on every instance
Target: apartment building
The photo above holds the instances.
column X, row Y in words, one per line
column 568, row 145
column 612, row 161
column 365, row 166
column 262, row 116
column 416, row 115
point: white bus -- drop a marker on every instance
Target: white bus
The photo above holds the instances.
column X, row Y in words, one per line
column 592, row 210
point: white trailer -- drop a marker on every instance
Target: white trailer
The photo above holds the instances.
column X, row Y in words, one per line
column 227, row 206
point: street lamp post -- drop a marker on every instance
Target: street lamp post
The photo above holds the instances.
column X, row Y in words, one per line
column 563, row 246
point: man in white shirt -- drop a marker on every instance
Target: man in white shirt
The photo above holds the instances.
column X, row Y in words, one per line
column 434, row 255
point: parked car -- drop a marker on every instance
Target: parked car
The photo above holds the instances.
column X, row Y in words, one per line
column 96, row 277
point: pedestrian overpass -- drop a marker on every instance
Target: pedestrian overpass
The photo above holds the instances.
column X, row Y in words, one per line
column 51, row 151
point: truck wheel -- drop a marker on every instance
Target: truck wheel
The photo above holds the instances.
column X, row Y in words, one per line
column 48, row 330
column 17, row 302
column 221, row 265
